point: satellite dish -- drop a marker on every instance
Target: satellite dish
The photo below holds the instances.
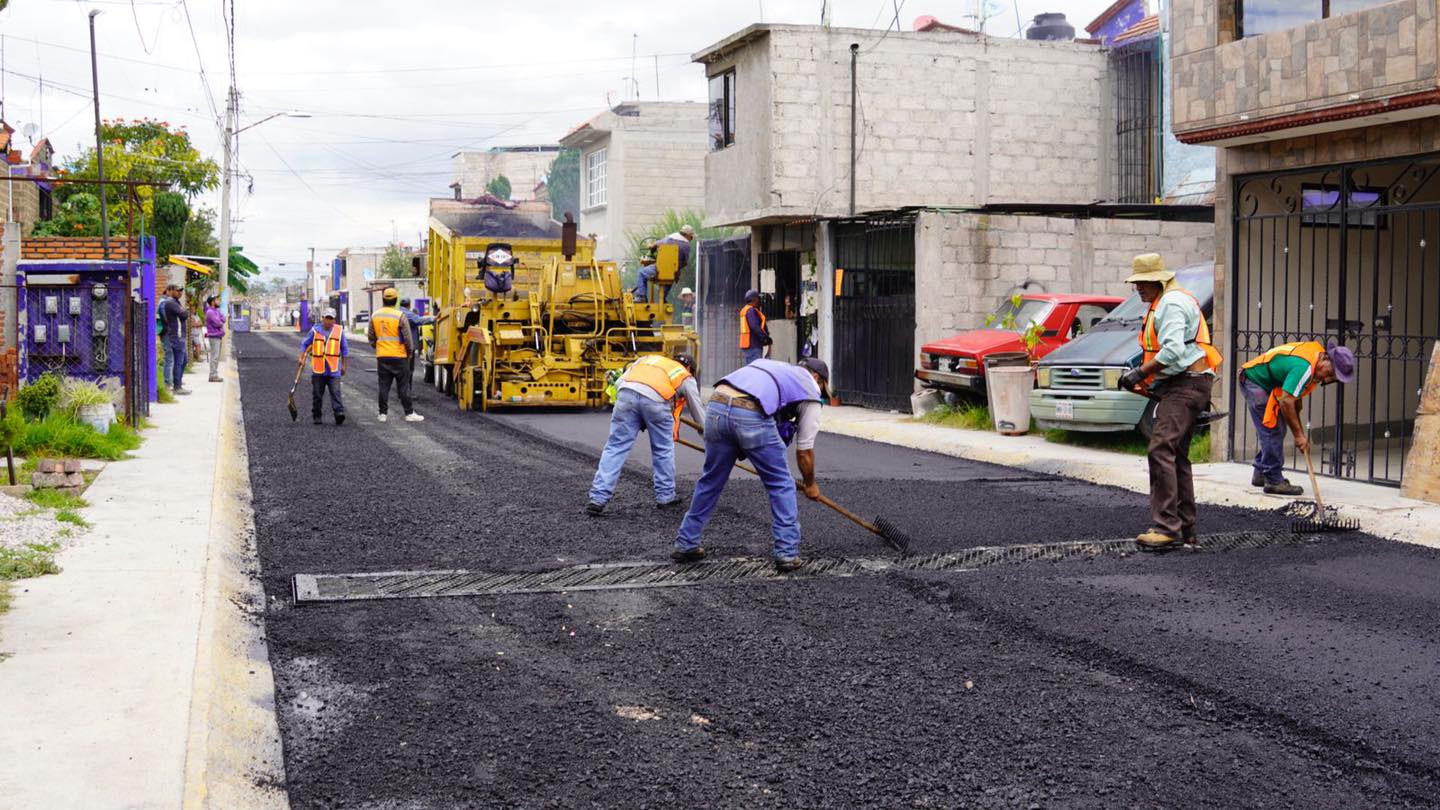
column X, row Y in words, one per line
column 31, row 130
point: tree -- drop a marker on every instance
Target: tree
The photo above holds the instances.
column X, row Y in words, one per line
column 499, row 186
column 171, row 215
column 395, row 263
column 563, row 183
column 671, row 222
column 142, row 150
column 78, row 216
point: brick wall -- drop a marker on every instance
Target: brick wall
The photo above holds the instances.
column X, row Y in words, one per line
column 966, row 264
column 80, row 248
column 9, row 363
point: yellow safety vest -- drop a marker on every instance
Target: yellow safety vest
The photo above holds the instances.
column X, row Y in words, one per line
column 1310, row 352
column 325, row 351
column 662, row 375
column 387, row 322
column 745, row 324
column 1150, row 340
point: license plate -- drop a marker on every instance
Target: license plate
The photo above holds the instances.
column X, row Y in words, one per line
column 1064, row 410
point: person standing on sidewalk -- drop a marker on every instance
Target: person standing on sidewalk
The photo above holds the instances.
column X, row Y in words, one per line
column 754, row 413
column 1274, row 385
column 329, row 360
column 390, row 335
column 1179, row 365
column 176, row 317
column 652, row 392
column 754, row 331
column 214, row 333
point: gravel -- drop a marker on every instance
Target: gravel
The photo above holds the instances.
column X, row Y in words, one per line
column 1295, row 677
column 23, row 523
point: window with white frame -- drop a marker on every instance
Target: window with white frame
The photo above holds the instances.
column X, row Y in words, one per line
column 595, row 178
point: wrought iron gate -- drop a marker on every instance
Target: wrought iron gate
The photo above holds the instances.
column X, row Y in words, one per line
column 138, row 368
column 1135, row 72
column 1351, row 253
column 874, row 310
column 724, row 278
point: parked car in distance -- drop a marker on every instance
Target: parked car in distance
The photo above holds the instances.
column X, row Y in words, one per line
column 1076, row 386
column 957, row 364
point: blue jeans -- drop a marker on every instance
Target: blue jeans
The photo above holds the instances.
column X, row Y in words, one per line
column 729, row 431
column 319, row 384
column 1270, row 458
column 633, row 410
column 175, row 358
column 753, row 353
column 166, row 365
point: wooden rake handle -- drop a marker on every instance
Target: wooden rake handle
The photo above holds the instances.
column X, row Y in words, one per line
column 1314, row 484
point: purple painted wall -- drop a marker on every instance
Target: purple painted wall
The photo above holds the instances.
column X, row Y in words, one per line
column 1123, row 21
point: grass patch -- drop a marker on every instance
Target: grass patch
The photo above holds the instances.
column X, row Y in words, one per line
column 966, row 417
column 4, row 599
column 165, row 395
column 72, row 517
column 55, row 499
column 1128, row 442
column 60, row 435
column 32, row 560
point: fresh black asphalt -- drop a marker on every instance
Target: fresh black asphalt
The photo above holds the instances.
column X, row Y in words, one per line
column 1301, row 676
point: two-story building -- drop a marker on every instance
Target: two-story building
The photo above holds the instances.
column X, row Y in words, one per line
column 900, row 185
column 638, row 160
column 1327, row 121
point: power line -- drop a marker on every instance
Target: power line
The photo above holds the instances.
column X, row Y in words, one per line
column 200, row 60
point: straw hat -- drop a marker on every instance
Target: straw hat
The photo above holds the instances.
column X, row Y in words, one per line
column 1149, row 267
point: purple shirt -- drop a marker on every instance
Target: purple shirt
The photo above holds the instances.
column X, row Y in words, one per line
column 214, row 323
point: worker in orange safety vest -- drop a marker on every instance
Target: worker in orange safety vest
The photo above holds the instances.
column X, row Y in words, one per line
column 1274, row 386
column 754, row 328
column 651, row 394
column 389, row 333
column 329, row 353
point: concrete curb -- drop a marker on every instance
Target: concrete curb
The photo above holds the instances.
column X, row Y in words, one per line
column 233, row 754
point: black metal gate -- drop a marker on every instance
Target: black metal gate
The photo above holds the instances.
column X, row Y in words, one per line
column 724, row 278
column 138, row 367
column 1352, row 253
column 874, row 311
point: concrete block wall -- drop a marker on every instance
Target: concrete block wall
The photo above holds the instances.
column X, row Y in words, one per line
column 663, row 164
column 524, row 169
column 966, row 264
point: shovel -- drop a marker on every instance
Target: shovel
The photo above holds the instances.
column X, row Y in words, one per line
column 290, row 403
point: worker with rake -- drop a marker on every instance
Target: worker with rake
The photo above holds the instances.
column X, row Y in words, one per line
column 649, row 396
column 329, row 353
column 755, row 412
column 1178, row 369
column 1275, row 385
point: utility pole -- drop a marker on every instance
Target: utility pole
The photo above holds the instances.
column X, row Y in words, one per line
column 225, row 202
column 99, row 145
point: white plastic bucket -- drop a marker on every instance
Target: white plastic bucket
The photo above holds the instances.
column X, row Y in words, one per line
column 97, row 416
column 1009, row 388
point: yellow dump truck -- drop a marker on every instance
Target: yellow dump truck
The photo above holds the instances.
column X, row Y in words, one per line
column 526, row 317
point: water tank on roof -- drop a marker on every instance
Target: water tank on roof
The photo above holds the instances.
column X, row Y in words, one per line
column 1052, row 27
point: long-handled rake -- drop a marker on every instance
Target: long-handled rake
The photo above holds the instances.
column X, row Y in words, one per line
column 1319, row 518
column 882, row 528
column 290, row 403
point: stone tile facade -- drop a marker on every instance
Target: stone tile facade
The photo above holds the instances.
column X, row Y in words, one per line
column 1381, row 53
column 967, row 263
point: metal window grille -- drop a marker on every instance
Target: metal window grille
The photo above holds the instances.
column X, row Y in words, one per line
column 1136, row 71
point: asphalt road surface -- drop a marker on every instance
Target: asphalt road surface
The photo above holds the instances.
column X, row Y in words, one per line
column 1293, row 676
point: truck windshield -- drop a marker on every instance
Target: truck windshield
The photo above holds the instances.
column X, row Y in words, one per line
column 1012, row 318
column 1131, row 309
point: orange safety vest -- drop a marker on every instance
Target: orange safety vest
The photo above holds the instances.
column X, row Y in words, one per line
column 325, row 351
column 1150, row 341
column 388, row 322
column 1310, row 352
column 745, row 324
column 663, row 376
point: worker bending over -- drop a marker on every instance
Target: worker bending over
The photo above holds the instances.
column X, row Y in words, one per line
column 754, row 330
column 650, row 396
column 1274, row 385
column 389, row 333
column 755, row 412
column 1179, row 368
column 329, row 360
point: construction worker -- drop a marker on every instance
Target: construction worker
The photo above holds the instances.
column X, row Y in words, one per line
column 641, row 293
column 414, row 320
column 687, row 308
column 755, row 412
column 1274, row 385
column 390, row 335
column 329, row 360
column 650, row 396
column 754, row 329
column 1179, row 365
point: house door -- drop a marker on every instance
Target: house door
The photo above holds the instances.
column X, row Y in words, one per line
column 874, row 312
column 1350, row 253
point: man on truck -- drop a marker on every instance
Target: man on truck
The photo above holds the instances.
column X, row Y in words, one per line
column 1274, row 385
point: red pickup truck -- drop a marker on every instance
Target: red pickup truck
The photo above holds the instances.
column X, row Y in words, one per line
column 957, row 363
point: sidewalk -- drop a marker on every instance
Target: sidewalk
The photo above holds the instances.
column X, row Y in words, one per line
column 133, row 678
column 1381, row 510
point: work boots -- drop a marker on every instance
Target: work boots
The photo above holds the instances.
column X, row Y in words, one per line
column 1283, row 487
column 694, row 555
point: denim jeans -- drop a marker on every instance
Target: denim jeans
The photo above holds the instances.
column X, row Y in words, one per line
column 1270, row 458
column 753, row 353
column 319, row 384
column 175, row 357
column 166, row 364
column 632, row 410
column 728, row 432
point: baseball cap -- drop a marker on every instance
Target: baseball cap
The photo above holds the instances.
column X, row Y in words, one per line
column 328, row 313
column 751, row 294
column 1343, row 359
column 390, row 294
column 821, row 370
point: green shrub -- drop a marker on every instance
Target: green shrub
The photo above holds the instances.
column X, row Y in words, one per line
column 967, row 416
column 76, row 394
column 37, row 399
column 60, row 435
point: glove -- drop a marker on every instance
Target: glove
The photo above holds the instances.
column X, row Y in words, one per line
column 1132, row 378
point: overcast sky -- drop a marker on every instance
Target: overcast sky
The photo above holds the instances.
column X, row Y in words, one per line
column 394, row 89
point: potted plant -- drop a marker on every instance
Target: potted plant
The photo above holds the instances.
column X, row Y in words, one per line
column 1008, row 384
column 88, row 403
